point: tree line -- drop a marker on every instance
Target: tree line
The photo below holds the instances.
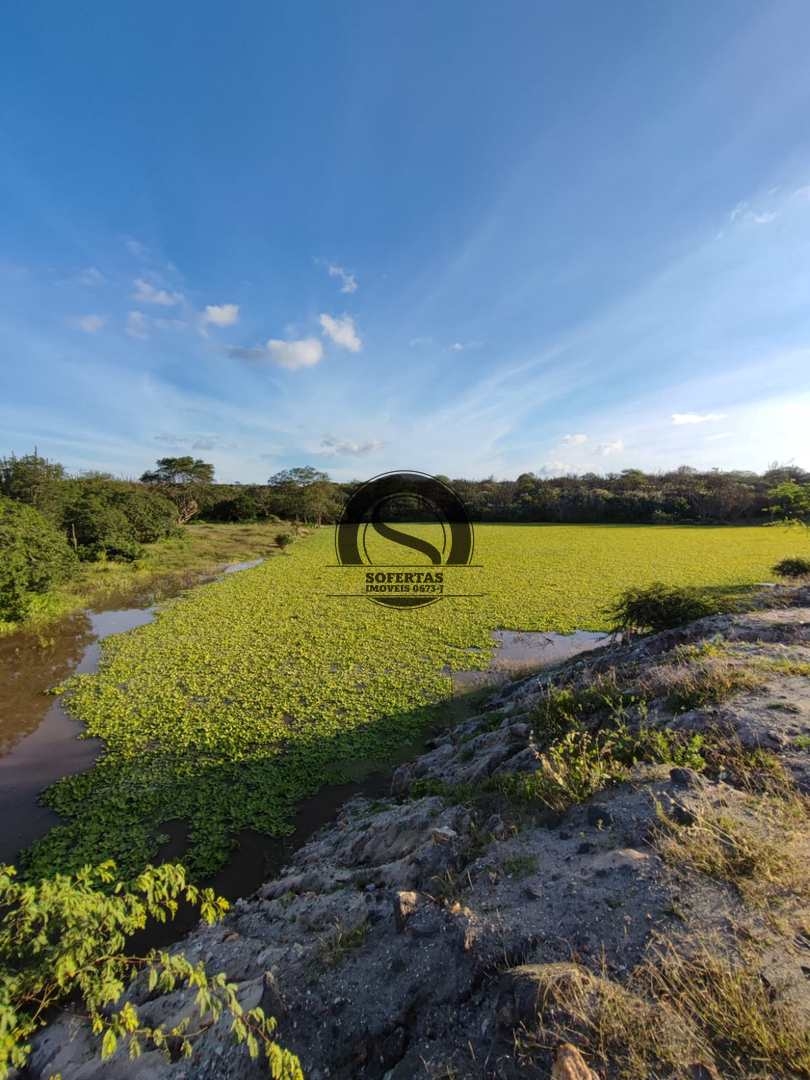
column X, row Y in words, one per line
column 96, row 505
column 680, row 496
column 51, row 521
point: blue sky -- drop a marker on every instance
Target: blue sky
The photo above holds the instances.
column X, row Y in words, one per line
column 467, row 238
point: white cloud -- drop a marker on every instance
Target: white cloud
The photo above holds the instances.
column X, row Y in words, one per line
column 555, row 467
column 146, row 293
column 718, row 436
column 348, row 281
column 342, row 332
column 220, row 314
column 615, row 447
column 90, row 276
column 331, row 445
column 418, row 342
column 680, row 418
column 137, row 325
column 295, row 354
column 460, row 346
column 802, row 193
column 196, row 442
column 135, row 247
column 89, row 324
column 575, row 440
column 743, row 213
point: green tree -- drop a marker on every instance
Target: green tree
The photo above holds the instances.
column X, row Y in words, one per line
column 180, row 470
column 306, row 493
column 183, row 479
column 34, row 480
column 789, row 501
column 34, row 556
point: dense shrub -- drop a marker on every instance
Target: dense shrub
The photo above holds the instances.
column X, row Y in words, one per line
column 236, row 502
column 660, row 607
column 111, row 519
column 233, row 504
column 99, row 529
column 792, row 568
column 33, row 556
column 151, row 515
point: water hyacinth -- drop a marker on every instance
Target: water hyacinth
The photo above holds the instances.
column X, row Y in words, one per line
column 252, row 692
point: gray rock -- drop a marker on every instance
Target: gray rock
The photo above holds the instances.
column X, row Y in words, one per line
column 598, row 814
column 684, row 777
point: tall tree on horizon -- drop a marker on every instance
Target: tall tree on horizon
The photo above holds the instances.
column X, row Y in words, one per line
column 182, row 478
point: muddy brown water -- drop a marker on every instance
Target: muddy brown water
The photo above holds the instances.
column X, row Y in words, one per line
column 39, row 740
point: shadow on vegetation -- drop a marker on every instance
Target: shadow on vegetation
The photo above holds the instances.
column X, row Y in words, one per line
column 251, row 856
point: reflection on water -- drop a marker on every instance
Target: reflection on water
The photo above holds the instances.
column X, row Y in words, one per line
column 29, row 663
column 234, row 568
column 521, row 652
column 38, row 739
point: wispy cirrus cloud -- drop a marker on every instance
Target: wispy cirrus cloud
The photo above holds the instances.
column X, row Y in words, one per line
column 137, row 325
column 743, row 213
column 194, row 442
column 332, row 445
column 88, row 324
column 342, row 331
column 90, row 276
column 347, row 279
column 575, row 440
column 679, row 419
column 169, row 324
column 147, row 293
column 135, row 247
column 608, row 448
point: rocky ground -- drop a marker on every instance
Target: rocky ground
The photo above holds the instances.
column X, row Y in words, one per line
column 633, row 905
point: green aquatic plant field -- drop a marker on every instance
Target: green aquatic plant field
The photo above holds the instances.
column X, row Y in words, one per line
column 250, row 693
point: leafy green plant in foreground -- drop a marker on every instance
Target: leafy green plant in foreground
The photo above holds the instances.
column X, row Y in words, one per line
column 794, row 567
column 582, row 763
column 65, row 939
column 660, row 607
